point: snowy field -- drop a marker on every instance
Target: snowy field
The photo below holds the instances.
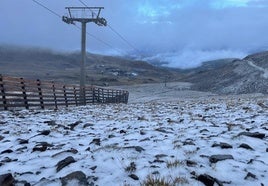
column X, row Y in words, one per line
column 180, row 140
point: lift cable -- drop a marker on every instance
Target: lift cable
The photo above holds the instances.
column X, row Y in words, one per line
column 116, row 32
column 56, row 14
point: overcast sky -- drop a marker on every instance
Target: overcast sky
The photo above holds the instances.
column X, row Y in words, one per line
column 180, row 32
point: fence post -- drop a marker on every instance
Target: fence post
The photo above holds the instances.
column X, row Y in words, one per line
column 102, row 92
column 75, row 96
column 54, row 95
column 3, row 92
column 40, row 93
column 93, row 94
column 65, row 95
column 24, row 93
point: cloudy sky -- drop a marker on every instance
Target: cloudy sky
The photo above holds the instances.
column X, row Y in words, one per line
column 180, row 32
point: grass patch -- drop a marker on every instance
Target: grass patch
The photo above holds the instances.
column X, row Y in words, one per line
column 153, row 180
column 174, row 164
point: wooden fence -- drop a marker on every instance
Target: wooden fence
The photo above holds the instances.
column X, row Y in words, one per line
column 17, row 93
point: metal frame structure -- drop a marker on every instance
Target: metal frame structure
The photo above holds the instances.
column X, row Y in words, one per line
column 91, row 14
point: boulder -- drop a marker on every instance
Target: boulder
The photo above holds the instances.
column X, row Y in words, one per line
column 78, row 176
column 63, row 163
column 216, row 158
column 253, row 134
column 245, row 146
column 222, row 145
column 7, row 180
column 208, row 180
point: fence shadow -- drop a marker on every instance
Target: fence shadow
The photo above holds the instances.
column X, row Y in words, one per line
column 18, row 93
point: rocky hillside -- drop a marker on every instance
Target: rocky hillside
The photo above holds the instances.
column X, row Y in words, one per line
column 233, row 76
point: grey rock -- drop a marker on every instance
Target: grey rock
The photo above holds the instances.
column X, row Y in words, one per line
column 42, row 146
column 96, row 141
column 7, row 180
column 137, row 148
column 8, row 151
column 216, row 158
column 51, row 123
column 245, row 146
column 79, row 176
column 1, row 137
column 44, row 132
column 223, row 145
column 63, row 163
column 190, row 163
column 250, row 176
column 208, row 180
column 134, row 176
column 73, row 125
column 88, row 125
column 23, row 141
column 253, row 134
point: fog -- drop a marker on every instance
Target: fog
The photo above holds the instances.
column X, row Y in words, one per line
column 181, row 33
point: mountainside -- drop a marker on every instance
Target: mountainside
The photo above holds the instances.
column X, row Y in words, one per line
column 238, row 76
column 65, row 67
column 223, row 76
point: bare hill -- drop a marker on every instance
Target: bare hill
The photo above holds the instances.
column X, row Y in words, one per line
column 100, row 70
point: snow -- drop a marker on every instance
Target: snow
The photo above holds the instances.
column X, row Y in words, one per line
column 168, row 131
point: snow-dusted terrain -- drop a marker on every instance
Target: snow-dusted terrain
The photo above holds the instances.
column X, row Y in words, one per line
column 221, row 140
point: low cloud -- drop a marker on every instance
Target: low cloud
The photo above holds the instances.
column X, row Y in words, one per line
column 192, row 58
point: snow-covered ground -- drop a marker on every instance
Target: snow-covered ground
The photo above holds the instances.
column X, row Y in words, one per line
column 130, row 144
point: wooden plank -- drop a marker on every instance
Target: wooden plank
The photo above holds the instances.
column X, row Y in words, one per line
column 3, row 93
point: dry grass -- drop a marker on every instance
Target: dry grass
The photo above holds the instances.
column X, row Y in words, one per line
column 174, row 164
column 153, row 180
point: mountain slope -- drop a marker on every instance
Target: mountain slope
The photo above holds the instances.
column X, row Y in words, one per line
column 100, row 70
column 239, row 76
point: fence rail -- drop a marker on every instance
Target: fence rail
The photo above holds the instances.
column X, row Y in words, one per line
column 18, row 93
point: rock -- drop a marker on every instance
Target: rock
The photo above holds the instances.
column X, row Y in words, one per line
column 7, row 180
column 190, row 163
column 216, row 158
column 23, row 141
column 42, row 146
column 1, row 137
column 63, row 163
column 44, row 132
column 74, row 124
column 23, row 182
column 134, row 176
column 245, row 146
column 72, row 150
column 52, row 123
column 188, row 142
column 253, row 134
column 250, row 176
column 142, row 132
column 158, row 156
column 266, row 149
column 122, row 132
column 7, row 151
column 222, row 145
column 77, row 176
column 88, row 125
column 137, row 148
column 93, row 168
column 204, row 130
column 208, row 180
column 96, row 141
column 111, row 136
